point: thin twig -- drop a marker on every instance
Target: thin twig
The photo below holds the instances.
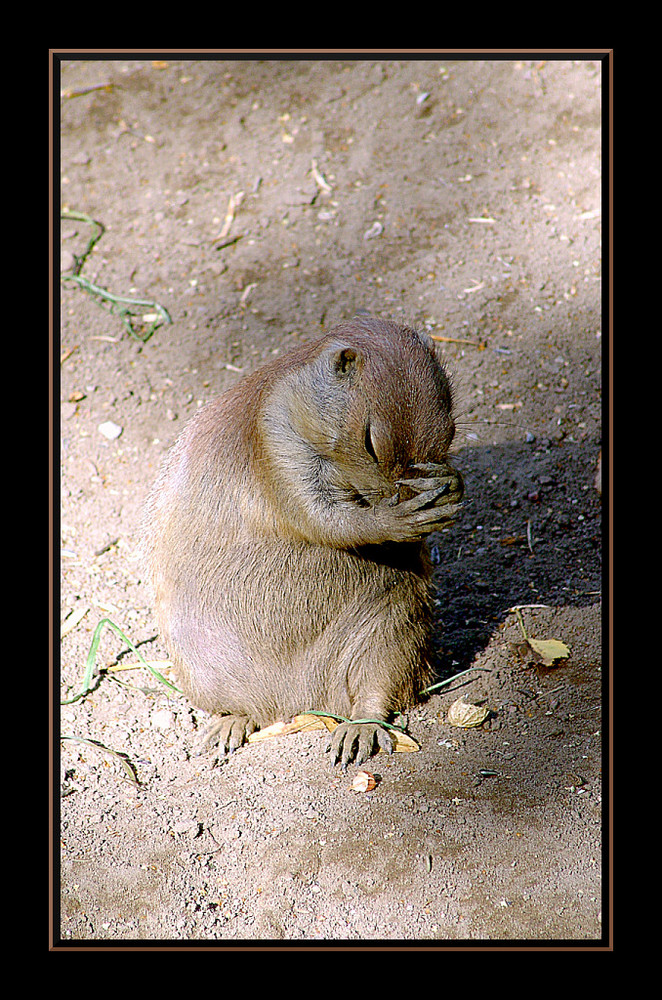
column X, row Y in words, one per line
column 457, row 340
column 449, row 680
column 70, row 92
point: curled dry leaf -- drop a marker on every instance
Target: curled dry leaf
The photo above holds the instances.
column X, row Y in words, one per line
column 464, row 715
column 363, row 782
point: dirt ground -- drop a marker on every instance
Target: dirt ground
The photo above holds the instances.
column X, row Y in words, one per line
column 259, row 202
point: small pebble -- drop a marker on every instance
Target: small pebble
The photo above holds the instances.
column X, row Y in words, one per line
column 110, row 430
column 376, row 229
column 163, row 719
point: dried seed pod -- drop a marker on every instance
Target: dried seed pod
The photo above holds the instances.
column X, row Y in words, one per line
column 363, row 782
column 465, row 715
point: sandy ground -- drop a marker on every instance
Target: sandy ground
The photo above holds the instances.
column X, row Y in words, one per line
column 463, row 197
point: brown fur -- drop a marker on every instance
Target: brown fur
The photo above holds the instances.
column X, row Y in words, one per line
column 284, row 534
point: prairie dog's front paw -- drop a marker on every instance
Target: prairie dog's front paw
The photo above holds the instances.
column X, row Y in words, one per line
column 442, row 478
column 227, row 732
column 424, row 503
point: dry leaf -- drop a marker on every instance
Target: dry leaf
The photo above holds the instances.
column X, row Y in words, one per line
column 363, row 782
column 465, row 715
column 403, row 743
column 299, row 724
column 549, row 650
column 305, row 723
column 275, row 729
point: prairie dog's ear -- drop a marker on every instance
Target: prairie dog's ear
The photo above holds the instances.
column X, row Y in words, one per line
column 346, row 360
column 426, row 340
